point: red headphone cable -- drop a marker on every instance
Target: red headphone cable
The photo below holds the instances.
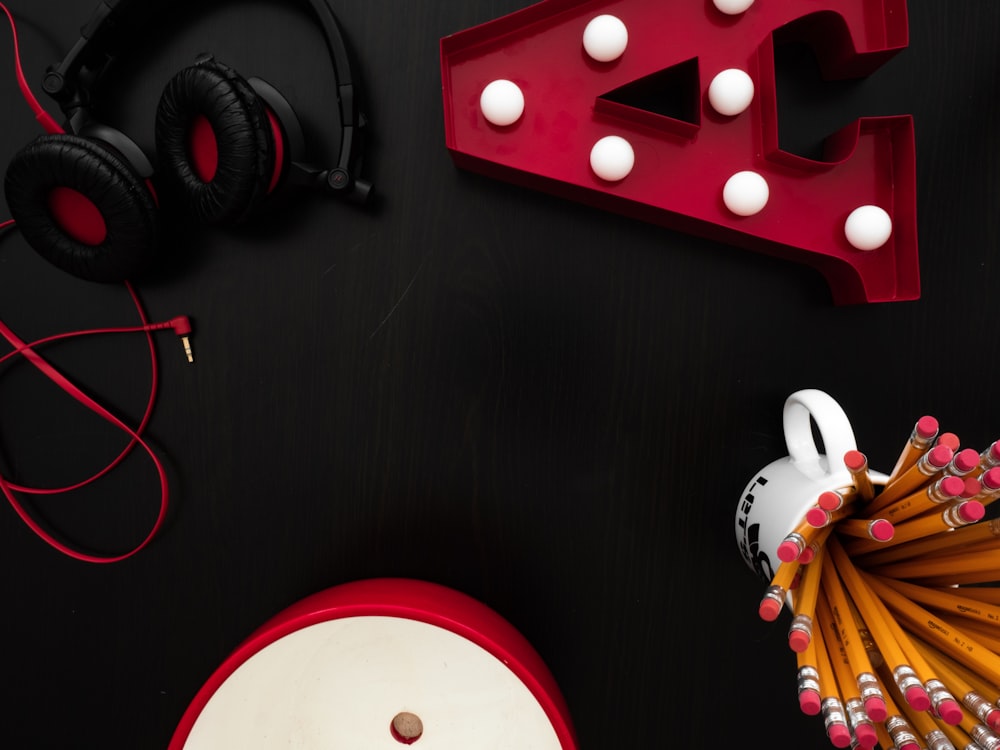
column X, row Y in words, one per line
column 181, row 325
column 46, row 120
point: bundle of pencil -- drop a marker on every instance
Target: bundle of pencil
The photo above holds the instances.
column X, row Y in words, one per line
column 894, row 595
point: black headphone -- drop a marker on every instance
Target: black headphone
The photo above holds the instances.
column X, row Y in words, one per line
column 84, row 199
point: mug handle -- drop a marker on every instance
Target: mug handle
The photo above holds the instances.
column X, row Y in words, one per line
column 833, row 425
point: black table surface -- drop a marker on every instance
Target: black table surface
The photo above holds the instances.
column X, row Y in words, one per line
column 550, row 408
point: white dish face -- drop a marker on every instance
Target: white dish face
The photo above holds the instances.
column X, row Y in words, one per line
column 340, row 684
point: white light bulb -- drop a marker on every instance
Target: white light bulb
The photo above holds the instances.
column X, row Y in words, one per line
column 605, row 38
column 745, row 193
column 731, row 92
column 612, row 158
column 732, row 7
column 502, row 102
column 868, row 227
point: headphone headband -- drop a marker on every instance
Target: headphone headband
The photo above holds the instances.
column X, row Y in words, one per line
column 69, row 82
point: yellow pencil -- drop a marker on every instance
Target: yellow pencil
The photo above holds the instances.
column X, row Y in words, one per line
column 985, row 594
column 979, row 733
column 941, row 567
column 979, row 684
column 777, row 592
column 951, row 640
column 796, row 540
column 950, row 542
column 857, row 463
column 858, row 720
column 808, row 679
column 954, row 515
column 989, row 486
column 957, row 738
column 949, row 603
column 926, row 498
column 977, row 703
column 837, row 605
column 902, row 733
column 924, row 724
column 942, row 701
column 809, row 552
column 922, row 436
column 927, row 467
column 884, row 630
column 804, row 604
column 988, row 635
column 873, row 529
column 831, row 705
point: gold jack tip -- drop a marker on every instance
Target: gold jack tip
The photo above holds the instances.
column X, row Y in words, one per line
column 187, row 348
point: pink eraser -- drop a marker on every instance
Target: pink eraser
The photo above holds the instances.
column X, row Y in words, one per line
column 881, row 530
column 769, row 609
column 829, row 500
column 909, row 745
column 972, row 487
column 950, row 439
column 855, row 460
column 866, row 735
column 817, row 517
column 991, row 478
column 839, row 735
column 788, row 551
column 809, row 702
column 966, row 460
column 916, row 696
column 927, row 427
column 940, row 455
column 798, row 641
column 993, row 720
column 952, row 486
column 806, row 555
column 876, row 709
column 971, row 511
column 950, row 712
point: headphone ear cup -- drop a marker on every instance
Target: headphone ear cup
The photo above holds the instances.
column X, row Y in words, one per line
column 82, row 208
column 214, row 142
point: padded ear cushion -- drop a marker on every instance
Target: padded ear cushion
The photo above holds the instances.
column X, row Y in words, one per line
column 100, row 190
column 214, row 93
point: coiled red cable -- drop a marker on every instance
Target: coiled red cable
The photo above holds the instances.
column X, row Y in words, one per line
column 180, row 325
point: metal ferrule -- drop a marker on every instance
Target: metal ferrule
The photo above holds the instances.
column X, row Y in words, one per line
column 925, row 467
column 953, row 517
column 833, row 712
column 905, row 678
column 978, row 705
column 985, row 738
column 775, row 593
column 937, row 693
column 868, row 686
column 936, row 740
column 808, row 679
column 802, row 624
column 856, row 714
column 900, row 731
column 919, row 442
column 936, row 495
column 797, row 539
column 988, row 459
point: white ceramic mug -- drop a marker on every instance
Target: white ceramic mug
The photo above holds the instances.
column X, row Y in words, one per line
column 778, row 496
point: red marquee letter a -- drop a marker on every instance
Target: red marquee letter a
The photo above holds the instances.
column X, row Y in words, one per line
column 677, row 167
